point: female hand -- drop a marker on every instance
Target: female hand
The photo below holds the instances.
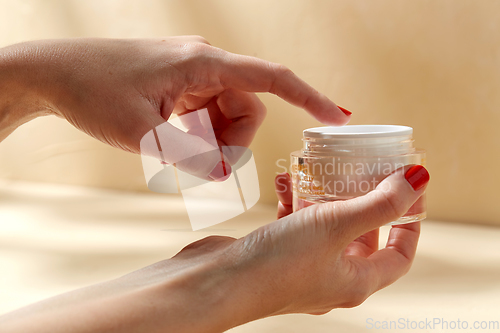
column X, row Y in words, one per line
column 312, row 261
column 326, row 256
column 117, row 90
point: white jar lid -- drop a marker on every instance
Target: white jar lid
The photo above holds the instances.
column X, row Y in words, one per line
column 357, row 131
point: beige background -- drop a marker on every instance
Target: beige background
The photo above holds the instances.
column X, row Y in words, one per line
column 433, row 65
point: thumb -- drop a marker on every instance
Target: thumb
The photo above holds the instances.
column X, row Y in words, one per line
column 389, row 201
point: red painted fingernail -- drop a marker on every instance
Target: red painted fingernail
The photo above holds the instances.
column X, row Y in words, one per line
column 347, row 112
column 221, row 172
column 417, row 176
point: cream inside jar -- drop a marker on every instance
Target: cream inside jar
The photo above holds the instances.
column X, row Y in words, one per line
column 340, row 163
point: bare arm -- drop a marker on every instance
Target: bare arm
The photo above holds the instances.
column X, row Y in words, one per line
column 318, row 259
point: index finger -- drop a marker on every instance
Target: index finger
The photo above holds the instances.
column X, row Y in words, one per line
column 257, row 75
column 396, row 258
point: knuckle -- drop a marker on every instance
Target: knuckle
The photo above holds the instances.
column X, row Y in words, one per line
column 391, row 204
column 200, row 39
column 359, row 294
column 327, row 216
column 278, row 71
column 260, row 112
column 405, row 270
column 282, row 70
column 358, row 287
column 203, row 243
column 356, row 299
column 196, row 49
column 308, row 98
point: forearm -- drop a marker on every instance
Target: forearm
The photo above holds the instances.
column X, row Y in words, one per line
column 207, row 294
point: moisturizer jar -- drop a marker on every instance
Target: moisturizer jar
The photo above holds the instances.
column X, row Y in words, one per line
column 340, row 163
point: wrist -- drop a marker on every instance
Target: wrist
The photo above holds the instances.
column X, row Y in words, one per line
column 218, row 294
column 21, row 88
column 204, row 295
column 206, row 290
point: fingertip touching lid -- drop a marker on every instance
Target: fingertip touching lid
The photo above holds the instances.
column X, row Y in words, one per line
column 357, row 131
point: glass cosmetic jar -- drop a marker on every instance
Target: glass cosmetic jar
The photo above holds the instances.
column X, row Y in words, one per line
column 340, row 163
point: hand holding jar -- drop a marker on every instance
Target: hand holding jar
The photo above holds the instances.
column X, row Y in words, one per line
column 314, row 260
column 340, row 163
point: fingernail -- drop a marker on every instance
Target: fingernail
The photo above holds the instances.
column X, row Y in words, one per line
column 417, row 176
column 347, row 112
column 221, row 172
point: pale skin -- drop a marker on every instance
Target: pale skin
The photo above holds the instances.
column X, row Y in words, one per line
column 312, row 261
column 118, row 90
